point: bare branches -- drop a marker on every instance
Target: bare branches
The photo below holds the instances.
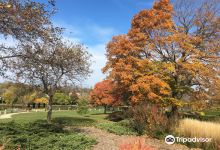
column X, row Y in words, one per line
column 24, row 19
column 52, row 64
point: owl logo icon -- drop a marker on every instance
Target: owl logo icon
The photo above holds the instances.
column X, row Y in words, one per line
column 169, row 139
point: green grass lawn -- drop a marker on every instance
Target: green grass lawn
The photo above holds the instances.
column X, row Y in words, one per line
column 212, row 115
column 214, row 112
column 31, row 131
column 34, row 116
column 208, row 115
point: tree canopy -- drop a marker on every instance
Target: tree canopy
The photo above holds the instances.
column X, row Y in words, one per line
column 166, row 54
column 24, row 19
column 103, row 94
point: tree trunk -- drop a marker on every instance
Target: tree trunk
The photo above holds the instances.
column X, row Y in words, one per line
column 174, row 115
column 105, row 109
column 49, row 113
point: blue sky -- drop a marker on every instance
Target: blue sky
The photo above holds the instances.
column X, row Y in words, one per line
column 93, row 23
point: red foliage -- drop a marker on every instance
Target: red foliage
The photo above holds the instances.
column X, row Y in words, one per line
column 135, row 144
column 103, row 94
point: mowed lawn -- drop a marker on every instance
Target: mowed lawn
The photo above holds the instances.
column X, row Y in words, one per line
column 31, row 131
column 92, row 116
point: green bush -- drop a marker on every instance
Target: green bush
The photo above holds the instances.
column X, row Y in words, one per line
column 61, row 99
column 83, row 106
column 119, row 128
column 41, row 136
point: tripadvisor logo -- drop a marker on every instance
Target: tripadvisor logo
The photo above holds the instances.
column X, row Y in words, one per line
column 169, row 139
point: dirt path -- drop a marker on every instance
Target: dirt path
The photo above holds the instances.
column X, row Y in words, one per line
column 109, row 141
column 6, row 116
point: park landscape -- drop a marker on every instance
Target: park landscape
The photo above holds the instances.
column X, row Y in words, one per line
column 162, row 77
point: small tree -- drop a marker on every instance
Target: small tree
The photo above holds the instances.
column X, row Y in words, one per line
column 61, row 99
column 73, row 98
column 82, row 106
column 10, row 96
column 103, row 95
column 50, row 65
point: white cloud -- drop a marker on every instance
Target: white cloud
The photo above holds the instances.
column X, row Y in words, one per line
column 99, row 61
column 94, row 37
column 88, row 32
column 101, row 34
column 8, row 41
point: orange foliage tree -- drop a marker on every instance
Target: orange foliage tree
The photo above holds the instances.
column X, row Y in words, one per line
column 166, row 55
column 103, row 95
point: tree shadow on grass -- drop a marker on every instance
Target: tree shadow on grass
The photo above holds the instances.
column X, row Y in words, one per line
column 40, row 135
column 101, row 113
column 41, row 127
column 74, row 121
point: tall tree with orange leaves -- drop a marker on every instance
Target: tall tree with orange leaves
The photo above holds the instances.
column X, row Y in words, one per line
column 166, row 55
column 103, row 95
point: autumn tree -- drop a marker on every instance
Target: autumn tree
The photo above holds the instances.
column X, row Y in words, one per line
column 43, row 100
column 16, row 92
column 103, row 95
column 50, row 65
column 167, row 54
column 23, row 20
column 10, row 96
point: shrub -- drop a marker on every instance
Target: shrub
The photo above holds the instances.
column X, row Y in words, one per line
column 135, row 144
column 116, row 116
column 41, row 136
column 61, row 99
column 119, row 128
column 83, row 106
column 147, row 119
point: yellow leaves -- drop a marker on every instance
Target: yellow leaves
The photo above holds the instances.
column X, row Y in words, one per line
column 164, row 92
column 41, row 100
column 149, row 88
column 196, row 68
column 175, row 102
column 9, row 96
column 170, row 67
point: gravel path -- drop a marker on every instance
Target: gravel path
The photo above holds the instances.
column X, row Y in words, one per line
column 109, row 141
column 6, row 116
